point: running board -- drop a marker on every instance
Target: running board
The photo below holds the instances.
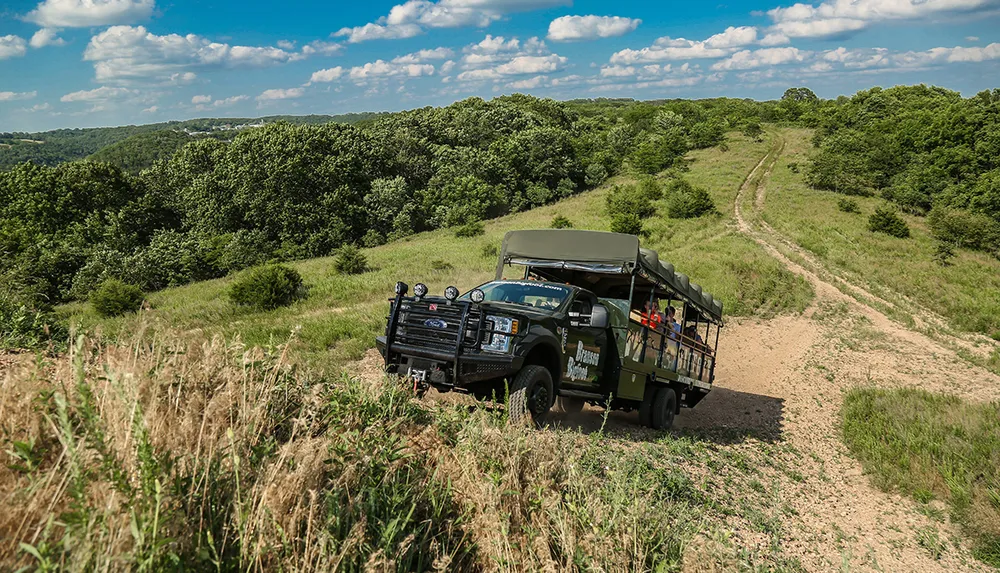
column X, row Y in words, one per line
column 582, row 394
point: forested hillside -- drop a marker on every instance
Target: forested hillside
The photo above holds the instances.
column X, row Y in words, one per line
column 61, row 145
column 289, row 191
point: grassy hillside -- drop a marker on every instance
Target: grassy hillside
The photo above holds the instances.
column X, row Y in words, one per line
column 967, row 291
column 342, row 314
column 60, row 145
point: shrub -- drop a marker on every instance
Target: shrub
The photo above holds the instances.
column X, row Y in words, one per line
column 793, row 167
column 651, row 189
column 560, row 222
column 23, row 324
column 943, row 253
column 350, row 261
column 685, row 201
column 440, row 265
column 964, row 229
column 490, row 251
column 848, row 205
column 629, row 200
column 171, row 259
column 267, row 287
column 595, row 175
column 753, row 130
column 886, row 220
column 627, row 223
column 565, row 188
column 115, row 298
column 373, row 239
column 470, row 229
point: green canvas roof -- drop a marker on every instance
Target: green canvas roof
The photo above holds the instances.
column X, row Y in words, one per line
column 601, row 252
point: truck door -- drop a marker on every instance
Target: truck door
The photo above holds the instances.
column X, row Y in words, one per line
column 584, row 348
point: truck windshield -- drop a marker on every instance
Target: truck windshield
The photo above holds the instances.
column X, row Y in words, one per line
column 528, row 293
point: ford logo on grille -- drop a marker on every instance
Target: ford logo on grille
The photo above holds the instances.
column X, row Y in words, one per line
column 435, row 323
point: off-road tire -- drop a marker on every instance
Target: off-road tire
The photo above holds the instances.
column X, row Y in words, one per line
column 569, row 405
column 664, row 408
column 530, row 395
column 646, row 406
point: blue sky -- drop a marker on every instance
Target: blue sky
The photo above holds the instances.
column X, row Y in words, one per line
column 75, row 63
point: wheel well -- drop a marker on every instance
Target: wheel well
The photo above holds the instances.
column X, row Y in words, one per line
column 545, row 355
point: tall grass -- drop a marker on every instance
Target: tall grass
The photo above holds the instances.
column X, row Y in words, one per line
column 161, row 453
column 932, row 446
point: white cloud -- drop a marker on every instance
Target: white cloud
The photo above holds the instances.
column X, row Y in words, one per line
column 383, row 69
column 957, row 54
column 14, row 96
column 39, row 107
column 423, row 56
column 972, row 38
column 151, row 109
column 746, row 59
column 46, row 37
column 230, row 101
column 123, row 53
column 518, row 65
column 837, row 17
column 733, row 37
column 277, row 94
column 567, row 28
column 668, row 49
column 413, row 17
column 617, row 71
column 327, row 75
column 447, row 67
column 12, row 47
column 775, row 39
column 317, row 47
column 101, row 94
column 87, row 13
column 201, row 99
column 286, row 44
column 528, row 84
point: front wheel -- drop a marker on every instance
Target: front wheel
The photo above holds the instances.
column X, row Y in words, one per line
column 530, row 394
column 664, row 408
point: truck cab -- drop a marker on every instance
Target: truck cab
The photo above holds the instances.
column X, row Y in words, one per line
column 566, row 332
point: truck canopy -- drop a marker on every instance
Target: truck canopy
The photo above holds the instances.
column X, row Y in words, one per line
column 605, row 263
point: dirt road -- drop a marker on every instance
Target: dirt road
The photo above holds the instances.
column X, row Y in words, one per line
column 786, row 377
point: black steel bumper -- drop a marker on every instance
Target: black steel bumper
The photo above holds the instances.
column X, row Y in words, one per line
column 470, row 368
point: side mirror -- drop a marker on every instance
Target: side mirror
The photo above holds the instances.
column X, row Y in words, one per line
column 599, row 316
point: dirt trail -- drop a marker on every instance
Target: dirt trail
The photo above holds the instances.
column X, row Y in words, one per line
column 787, row 376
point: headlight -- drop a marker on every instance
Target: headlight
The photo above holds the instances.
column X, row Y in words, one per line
column 500, row 342
column 420, row 290
column 477, row 296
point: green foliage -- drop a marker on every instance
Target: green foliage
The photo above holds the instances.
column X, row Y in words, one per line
column 267, row 287
column 627, row 223
column 595, row 175
column 926, row 444
column 629, row 200
column 848, row 205
column 24, row 323
column 560, row 222
column 964, row 229
column 441, row 265
column 115, row 298
column 350, row 261
column 944, row 252
column 490, row 251
column 753, row 130
column 470, row 229
column 685, row 201
column 659, row 152
column 886, row 220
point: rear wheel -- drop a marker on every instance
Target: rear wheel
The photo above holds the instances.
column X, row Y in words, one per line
column 646, row 406
column 569, row 405
column 530, row 394
column 664, row 408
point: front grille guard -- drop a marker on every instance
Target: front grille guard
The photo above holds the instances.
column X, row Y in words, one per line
column 471, row 319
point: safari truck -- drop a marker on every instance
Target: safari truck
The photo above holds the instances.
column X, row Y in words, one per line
column 571, row 324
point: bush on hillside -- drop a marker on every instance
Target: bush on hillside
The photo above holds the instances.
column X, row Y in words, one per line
column 886, row 220
column 350, row 261
column 848, row 205
column 627, row 223
column 267, row 287
column 490, row 251
column 470, row 229
column 685, row 201
column 115, row 298
column 441, row 265
column 560, row 222
column 629, row 200
column 965, row 229
column 944, row 252
column 651, row 189
column 24, row 323
column 753, row 130
column 595, row 175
